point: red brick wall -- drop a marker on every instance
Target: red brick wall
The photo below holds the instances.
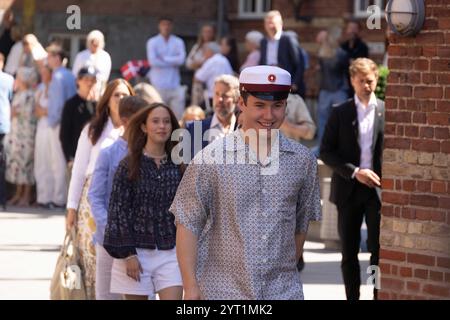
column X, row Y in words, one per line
column 415, row 225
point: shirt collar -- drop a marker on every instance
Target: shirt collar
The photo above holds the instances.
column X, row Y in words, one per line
column 215, row 123
column 372, row 102
column 235, row 142
column 278, row 35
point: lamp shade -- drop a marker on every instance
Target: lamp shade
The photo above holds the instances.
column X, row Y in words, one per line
column 405, row 17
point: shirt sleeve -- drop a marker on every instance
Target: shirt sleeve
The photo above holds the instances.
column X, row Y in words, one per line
column 153, row 57
column 192, row 203
column 308, row 202
column 66, row 129
column 179, row 56
column 203, row 73
column 97, row 194
column 119, row 239
column 105, row 66
column 79, row 169
column 56, row 100
column 77, row 65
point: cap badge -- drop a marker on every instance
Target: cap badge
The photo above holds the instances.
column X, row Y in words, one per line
column 272, row 78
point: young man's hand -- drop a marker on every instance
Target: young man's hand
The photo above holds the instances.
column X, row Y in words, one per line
column 368, row 178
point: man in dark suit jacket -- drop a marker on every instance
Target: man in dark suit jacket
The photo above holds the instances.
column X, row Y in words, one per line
column 283, row 50
column 352, row 146
column 223, row 120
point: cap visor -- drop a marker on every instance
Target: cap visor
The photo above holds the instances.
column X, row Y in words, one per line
column 270, row 96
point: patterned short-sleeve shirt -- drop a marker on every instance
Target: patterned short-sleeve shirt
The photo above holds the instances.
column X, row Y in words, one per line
column 246, row 217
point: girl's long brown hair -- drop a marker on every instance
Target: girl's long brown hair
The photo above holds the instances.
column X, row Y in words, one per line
column 137, row 138
column 102, row 109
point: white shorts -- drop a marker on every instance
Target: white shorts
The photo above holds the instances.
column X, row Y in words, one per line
column 160, row 271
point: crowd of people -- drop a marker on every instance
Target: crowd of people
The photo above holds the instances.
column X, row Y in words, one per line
column 147, row 224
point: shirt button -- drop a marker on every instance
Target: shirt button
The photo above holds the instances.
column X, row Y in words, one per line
column 159, row 177
column 263, row 191
column 263, row 283
column 264, row 237
column 264, row 260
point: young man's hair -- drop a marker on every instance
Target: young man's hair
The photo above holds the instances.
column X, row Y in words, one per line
column 165, row 18
column 273, row 13
column 364, row 66
column 130, row 105
column 58, row 50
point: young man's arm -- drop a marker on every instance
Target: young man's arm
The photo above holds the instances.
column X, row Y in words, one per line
column 187, row 260
column 299, row 243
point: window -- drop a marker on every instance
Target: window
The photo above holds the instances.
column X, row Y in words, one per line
column 360, row 7
column 254, row 8
column 72, row 44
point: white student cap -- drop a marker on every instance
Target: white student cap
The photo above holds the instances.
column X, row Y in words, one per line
column 265, row 82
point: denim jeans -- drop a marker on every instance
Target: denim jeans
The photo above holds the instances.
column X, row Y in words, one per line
column 326, row 100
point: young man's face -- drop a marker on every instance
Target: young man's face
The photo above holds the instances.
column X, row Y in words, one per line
column 273, row 24
column 364, row 84
column 165, row 27
column 262, row 114
column 86, row 83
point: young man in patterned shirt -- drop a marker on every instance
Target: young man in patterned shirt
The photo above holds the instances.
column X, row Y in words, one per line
column 244, row 204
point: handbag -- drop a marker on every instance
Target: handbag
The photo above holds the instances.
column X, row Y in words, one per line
column 67, row 282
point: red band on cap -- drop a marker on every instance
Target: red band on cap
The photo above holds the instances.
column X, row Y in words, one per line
column 264, row 87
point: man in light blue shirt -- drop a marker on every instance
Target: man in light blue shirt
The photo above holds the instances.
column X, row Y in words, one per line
column 61, row 88
column 6, row 92
column 99, row 192
column 166, row 53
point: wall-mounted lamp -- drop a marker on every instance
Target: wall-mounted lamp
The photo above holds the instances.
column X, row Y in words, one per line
column 405, row 17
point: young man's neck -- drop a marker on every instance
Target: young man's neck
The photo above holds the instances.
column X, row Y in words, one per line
column 364, row 101
column 84, row 95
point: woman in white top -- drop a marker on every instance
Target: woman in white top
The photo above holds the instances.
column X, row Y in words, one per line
column 94, row 56
column 196, row 58
column 42, row 152
column 104, row 129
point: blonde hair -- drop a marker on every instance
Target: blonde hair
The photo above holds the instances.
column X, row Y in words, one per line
column 364, row 66
column 273, row 13
column 192, row 110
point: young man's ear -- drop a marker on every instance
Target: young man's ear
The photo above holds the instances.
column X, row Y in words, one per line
column 241, row 103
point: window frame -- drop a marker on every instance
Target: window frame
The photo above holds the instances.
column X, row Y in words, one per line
column 258, row 14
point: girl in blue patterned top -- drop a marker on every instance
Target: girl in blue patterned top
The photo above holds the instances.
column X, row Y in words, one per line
column 140, row 233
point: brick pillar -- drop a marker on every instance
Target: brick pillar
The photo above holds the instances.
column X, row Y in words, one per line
column 415, row 224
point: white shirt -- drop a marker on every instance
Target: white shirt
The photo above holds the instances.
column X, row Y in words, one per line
column 101, row 61
column 212, row 68
column 272, row 49
column 217, row 130
column 85, row 158
column 366, row 118
column 165, row 58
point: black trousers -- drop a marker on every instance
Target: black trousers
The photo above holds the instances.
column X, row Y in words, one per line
column 2, row 172
column 363, row 202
